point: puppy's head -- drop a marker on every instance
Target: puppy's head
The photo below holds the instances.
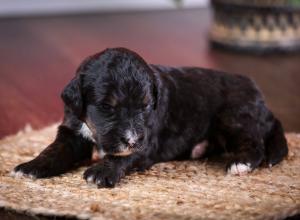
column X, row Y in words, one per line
column 114, row 93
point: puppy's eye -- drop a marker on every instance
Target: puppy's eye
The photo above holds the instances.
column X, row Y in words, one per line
column 145, row 107
column 106, row 107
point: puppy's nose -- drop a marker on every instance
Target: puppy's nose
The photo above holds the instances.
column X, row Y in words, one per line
column 127, row 141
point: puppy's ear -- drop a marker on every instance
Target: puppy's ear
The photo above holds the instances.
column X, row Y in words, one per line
column 154, row 94
column 72, row 96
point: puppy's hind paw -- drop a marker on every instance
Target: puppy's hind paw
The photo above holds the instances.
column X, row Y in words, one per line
column 239, row 168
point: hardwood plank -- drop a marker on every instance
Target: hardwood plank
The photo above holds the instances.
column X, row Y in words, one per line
column 31, row 80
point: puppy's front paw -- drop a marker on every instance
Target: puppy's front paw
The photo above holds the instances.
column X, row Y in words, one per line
column 104, row 175
column 33, row 169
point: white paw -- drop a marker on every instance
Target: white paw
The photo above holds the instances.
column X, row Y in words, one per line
column 17, row 174
column 20, row 174
column 239, row 168
column 90, row 179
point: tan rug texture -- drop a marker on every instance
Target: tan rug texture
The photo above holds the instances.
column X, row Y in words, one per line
column 174, row 190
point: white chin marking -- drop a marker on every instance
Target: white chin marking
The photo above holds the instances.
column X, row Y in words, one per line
column 199, row 150
column 86, row 132
column 239, row 168
column 102, row 154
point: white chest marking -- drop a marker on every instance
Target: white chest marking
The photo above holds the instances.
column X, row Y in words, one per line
column 86, row 132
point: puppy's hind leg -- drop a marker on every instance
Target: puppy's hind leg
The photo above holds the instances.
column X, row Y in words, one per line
column 248, row 154
column 276, row 144
column 244, row 140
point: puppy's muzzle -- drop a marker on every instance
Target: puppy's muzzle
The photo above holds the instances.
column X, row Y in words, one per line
column 131, row 138
column 127, row 142
column 130, row 143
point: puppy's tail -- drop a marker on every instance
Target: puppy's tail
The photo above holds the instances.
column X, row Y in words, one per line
column 276, row 144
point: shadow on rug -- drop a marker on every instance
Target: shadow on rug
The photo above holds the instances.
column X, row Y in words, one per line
column 174, row 190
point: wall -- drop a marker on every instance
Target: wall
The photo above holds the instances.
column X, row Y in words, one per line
column 10, row 8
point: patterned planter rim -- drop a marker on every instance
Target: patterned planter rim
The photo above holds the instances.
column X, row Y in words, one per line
column 252, row 26
column 289, row 5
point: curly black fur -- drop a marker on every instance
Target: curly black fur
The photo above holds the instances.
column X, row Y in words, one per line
column 139, row 114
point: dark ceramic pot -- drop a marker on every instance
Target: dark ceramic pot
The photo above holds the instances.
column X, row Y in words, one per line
column 256, row 25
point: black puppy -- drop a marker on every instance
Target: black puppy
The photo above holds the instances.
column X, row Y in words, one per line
column 138, row 115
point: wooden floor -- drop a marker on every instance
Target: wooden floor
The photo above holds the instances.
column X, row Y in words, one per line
column 38, row 56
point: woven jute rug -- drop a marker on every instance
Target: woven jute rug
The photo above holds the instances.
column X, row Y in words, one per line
column 174, row 190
